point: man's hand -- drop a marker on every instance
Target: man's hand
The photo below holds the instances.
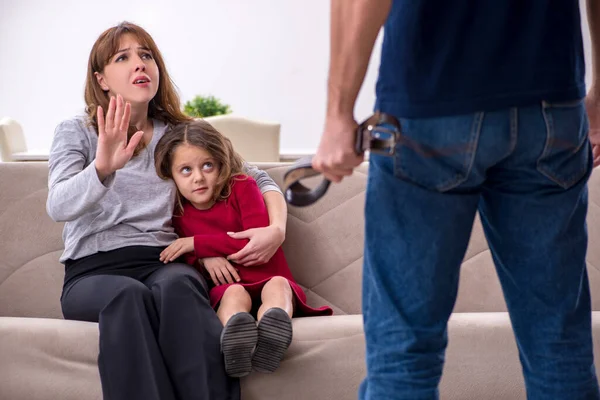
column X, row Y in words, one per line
column 353, row 30
column 335, row 157
column 592, row 105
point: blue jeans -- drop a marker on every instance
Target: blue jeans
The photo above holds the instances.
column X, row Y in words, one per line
column 525, row 170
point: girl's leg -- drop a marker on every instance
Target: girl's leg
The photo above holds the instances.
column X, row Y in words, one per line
column 235, row 299
column 240, row 333
column 275, row 325
column 277, row 293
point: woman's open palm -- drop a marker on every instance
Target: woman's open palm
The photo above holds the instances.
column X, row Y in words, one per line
column 113, row 150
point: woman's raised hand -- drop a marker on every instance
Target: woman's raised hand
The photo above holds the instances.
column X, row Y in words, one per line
column 113, row 151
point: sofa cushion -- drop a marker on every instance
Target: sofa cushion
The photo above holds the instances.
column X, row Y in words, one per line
column 30, row 243
column 56, row 359
column 324, row 247
column 52, row 359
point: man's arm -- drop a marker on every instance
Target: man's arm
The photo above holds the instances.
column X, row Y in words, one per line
column 592, row 101
column 354, row 28
column 593, row 16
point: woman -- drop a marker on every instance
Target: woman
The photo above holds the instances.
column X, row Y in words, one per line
column 159, row 336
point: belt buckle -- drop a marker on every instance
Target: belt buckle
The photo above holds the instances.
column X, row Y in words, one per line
column 379, row 139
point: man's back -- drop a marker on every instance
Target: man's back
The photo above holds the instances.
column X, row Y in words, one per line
column 443, row 57
column 484, row 93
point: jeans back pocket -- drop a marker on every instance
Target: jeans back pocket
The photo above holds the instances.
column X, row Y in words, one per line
column 565, row 159
column 437, row 153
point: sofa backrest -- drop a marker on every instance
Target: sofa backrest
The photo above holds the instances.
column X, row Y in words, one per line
column 324, row 247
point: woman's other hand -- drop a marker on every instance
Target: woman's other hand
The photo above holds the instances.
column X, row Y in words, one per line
column 263, row 243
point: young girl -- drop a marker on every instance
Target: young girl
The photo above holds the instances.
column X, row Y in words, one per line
column 216, row 198
column 159, row 335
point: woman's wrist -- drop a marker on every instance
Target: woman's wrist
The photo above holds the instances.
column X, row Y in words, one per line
column 102, row 173
column 280, row 230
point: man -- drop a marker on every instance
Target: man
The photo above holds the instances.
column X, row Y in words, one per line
column 489, row 96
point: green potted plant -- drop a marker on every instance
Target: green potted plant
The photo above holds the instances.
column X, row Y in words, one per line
column 205, row 106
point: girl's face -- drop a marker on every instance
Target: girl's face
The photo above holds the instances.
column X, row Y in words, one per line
column 131, row 72
column 195, row 173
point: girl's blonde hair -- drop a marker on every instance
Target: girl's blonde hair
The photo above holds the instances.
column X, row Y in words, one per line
column 201, row 134
column 165, row 106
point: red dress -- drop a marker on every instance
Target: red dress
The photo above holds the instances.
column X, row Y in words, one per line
column 243, row 209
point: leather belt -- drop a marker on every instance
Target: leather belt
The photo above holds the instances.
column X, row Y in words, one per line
column 377, row 134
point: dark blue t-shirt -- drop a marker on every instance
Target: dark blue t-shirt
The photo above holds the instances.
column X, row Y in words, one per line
column 445, row 57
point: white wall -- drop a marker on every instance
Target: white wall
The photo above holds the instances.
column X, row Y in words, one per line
column 267, row 58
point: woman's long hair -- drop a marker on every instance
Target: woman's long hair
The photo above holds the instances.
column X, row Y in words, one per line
column 165, row 106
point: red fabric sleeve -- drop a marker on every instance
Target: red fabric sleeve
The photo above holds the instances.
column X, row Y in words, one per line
column 251, row 204
column 217, row 245
column 247, row 199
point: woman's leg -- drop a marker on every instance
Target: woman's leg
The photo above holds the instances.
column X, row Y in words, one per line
column 130, row 361
column 189, row 333
column 276, row 293
column 275, row 325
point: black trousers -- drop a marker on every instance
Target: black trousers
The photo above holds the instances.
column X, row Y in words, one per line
column 159, row 336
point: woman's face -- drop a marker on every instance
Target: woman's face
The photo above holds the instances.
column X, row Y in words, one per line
column 131, row 72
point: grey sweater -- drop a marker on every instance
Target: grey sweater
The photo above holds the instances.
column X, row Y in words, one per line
column 132, row 207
